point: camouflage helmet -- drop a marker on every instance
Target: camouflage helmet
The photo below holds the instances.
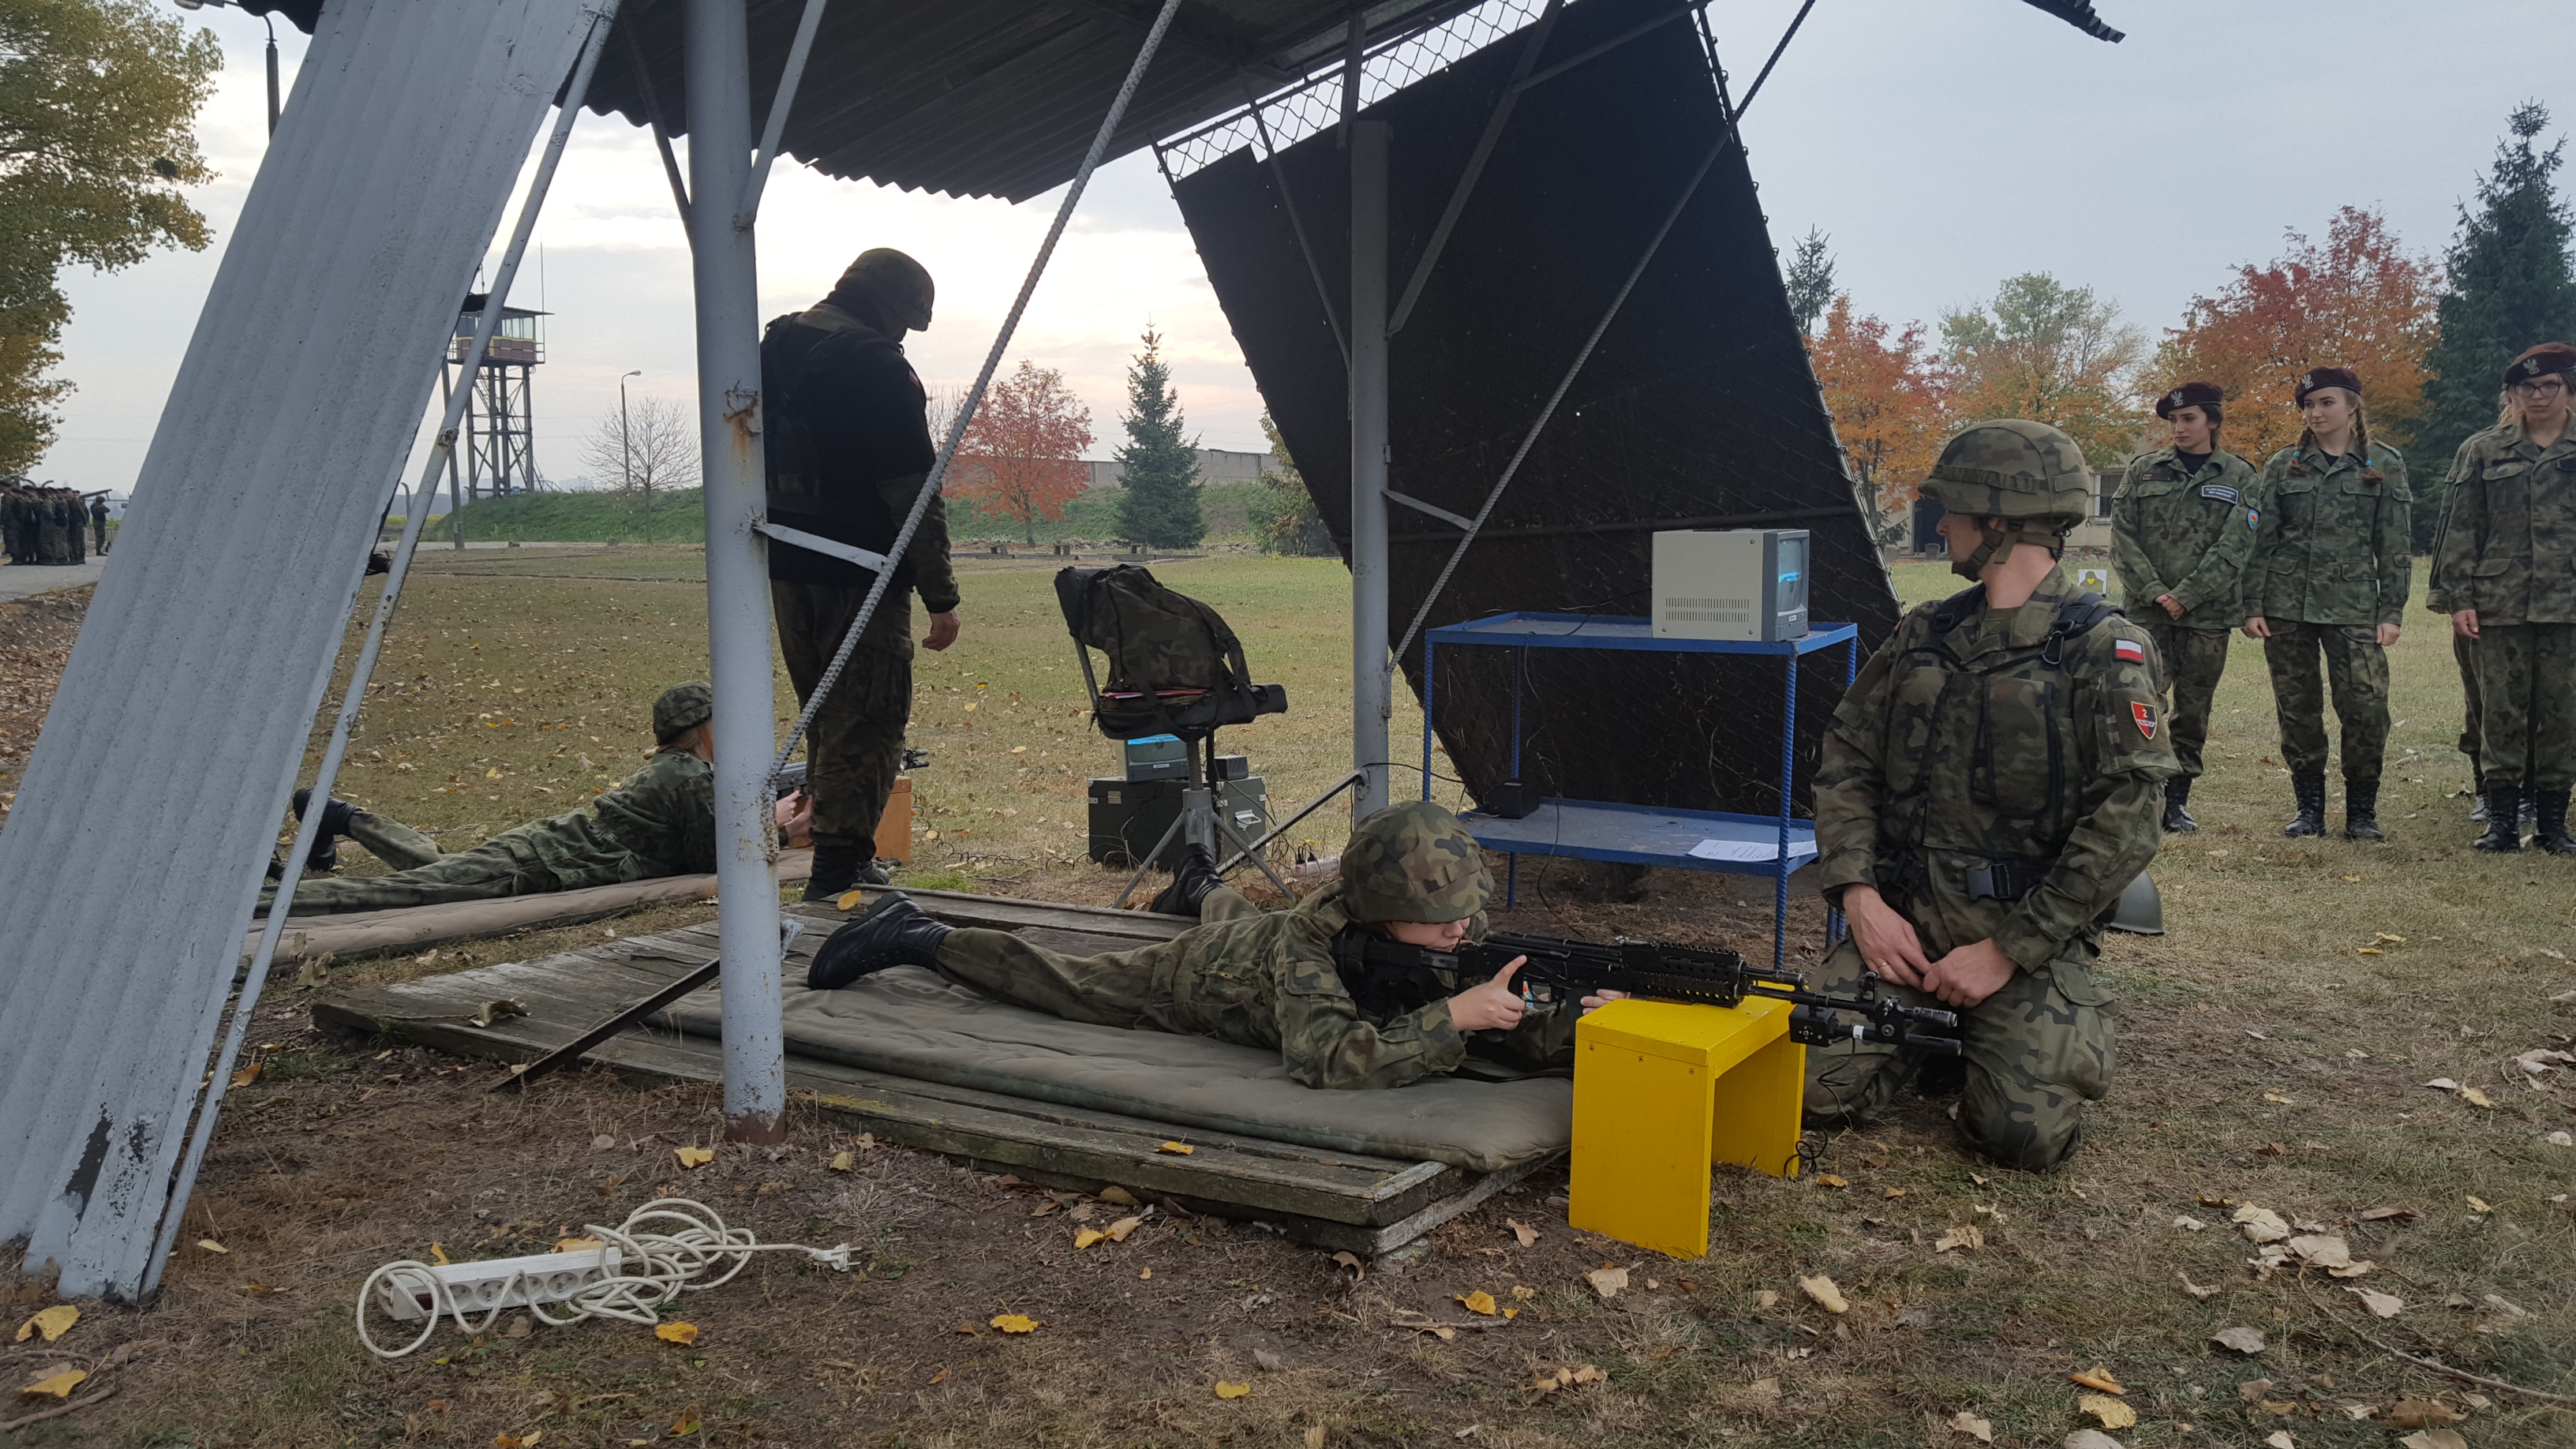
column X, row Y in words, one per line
column 681, row 708
column 2008, row 468
column 1414, row 862
column 895, row 282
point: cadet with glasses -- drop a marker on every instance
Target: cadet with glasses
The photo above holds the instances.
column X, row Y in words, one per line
column 2182, row 527
column 2507, row 568
column 1987, row 789
column 2333, row 563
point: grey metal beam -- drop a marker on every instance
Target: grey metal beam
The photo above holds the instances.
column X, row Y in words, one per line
column 1494, row 123
column 1372, row 703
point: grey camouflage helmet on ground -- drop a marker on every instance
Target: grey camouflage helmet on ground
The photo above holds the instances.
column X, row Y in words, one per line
column 682, row 707
column 1414, row 862
column 898, row 283
column 2009, row 468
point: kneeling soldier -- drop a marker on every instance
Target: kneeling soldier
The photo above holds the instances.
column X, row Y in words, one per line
column 1261, row 979
column 660, row 822
column 1988, row 787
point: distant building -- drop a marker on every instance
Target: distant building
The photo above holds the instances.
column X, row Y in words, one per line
column 1216, row 465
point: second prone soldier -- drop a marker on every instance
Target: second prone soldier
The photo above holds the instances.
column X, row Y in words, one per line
column 849, row 450
column 2182, row 529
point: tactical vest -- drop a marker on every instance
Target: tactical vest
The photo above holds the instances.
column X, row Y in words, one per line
column 803, row 492
column 1988, row 758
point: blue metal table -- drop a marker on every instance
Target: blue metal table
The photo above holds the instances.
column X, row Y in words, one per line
column 1771, row 845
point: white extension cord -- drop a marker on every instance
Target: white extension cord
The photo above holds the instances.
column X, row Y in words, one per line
column 630, row 1275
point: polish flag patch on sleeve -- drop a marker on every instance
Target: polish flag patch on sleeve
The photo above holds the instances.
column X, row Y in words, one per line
column 2130, row 651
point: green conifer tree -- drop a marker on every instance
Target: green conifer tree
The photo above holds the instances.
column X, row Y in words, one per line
column 2510, row 286
column 1161, row 471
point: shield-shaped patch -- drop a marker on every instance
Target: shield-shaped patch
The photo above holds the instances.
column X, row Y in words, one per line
column 2145, row 714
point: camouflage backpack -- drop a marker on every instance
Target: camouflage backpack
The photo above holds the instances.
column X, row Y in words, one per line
column 1156, row 638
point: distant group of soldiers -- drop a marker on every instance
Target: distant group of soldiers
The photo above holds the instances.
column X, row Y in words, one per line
column 2312, row 556
column 41, row 525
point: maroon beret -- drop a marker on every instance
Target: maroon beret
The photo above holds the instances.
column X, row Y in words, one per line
column 2189, row 395
column 2317, row 377
column 2541, row 361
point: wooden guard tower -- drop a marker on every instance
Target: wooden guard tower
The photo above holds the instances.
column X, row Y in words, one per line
column 499, row 439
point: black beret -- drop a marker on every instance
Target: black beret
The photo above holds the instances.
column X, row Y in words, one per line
column 2540, row 362
column 2189, row 395
column 2317, row 377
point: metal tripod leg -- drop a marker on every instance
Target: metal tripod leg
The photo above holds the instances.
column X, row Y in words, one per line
column 1246, row 852
column 1151, row 856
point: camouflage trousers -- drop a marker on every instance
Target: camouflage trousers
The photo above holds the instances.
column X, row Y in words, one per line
column 2036, row 1051
column 2526, row 704
column 1132, row 989
column 527, row 861
column 2357, row 668
column 854, row 748
column 2192, row 661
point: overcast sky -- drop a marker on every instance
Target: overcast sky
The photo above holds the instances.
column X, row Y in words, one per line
column 1941, row 144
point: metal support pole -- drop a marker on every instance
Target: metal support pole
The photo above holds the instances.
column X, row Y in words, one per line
column 726, row 271
column 1372, row 684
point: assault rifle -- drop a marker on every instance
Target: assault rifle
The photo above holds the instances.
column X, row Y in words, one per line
column 1380, row 973
column 791, row 778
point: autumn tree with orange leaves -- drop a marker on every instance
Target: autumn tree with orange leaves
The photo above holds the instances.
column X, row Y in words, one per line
column 2358, row 300
column 1886, row 394
column 1022, row 454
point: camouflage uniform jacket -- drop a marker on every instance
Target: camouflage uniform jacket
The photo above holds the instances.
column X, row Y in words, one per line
column 1269, row 980
column 2508, row 544
column 2335, row 546
column 1981, row 740
column 2185, row 534
column 665, row 812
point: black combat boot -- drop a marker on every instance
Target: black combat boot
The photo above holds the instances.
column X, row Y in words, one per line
column 2361, row 810
column 2310, row 788
column 2551, row 810
column 840, row 869
column 2504, row 819
column 336, row 818
column 1190, row 885
column 2478, row 783
column 2178, row 820
column 894, row 932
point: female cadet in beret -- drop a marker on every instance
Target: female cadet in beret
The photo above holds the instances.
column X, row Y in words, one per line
column 2333, row 561
column 2506, row 566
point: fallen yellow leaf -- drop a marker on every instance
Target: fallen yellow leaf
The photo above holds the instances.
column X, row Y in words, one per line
column 1828, row 1179
column 52, row 1323
column 1118, row 1196
column 849, row 900
column 694, row 1156
column 2475, row 1098
column 437, row 1252
column 1143, row 1273
column 1962, row 1237
column 211, row 1246
column 514, row 1441
column 2368, row 951
column 842, row 1160
column 1522, row 1231
column 1510, row 1314
column 1177, row 1149
column 577, row 1245
column 2112, row 1413
column 247, row 1075
column 2098, row 1377
column 677, row 1332
column 1827, row 1296
column 1232, row 1391
column 685, row 1425
column 1119, row 1230
column 60, row 1385
column 1014, row 1323
column 1479, row 1301
column 1766, row 1299
column 1085, row 1237
column 2479, row 1205
column 1588, row 1374
column 1981, row 1430
column 1607, row 1281
column 1523, row 1292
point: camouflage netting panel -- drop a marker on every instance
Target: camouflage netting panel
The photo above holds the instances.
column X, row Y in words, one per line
column 1698, row 410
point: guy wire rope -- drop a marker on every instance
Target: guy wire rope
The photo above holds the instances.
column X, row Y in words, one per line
column 966, row 412
column 355, row 692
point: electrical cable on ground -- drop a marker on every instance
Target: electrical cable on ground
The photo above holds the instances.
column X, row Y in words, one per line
column 651, row 1268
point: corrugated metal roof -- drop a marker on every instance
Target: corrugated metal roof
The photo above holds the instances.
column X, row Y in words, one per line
column 132, row 859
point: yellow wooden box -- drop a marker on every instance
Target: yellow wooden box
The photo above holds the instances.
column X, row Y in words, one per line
column 1661, row 1091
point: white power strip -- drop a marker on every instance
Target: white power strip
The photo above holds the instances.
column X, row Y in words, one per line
column 420, row 1291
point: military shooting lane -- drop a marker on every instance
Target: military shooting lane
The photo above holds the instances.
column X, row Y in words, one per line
column 1041, row 1126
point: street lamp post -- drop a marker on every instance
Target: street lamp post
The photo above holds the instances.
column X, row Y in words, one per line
column 626, row 443
column 272, row 51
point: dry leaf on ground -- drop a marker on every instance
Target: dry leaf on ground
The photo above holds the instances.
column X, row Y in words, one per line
column 1965, row 1237
column 2422, row 1414
column 52, row 1322
column 1479, row 1301
column 2476, row 1098
column 2098, row 1377
column 1589, row 1375
column 2385, row 1214
column 694, row 1156
column 842, row 1160
column 1014, row 1323
column 211, row 1246
column 2261, row 1224
column 577, row 1245
column 2089, row 1439
column 1119, row 1196
column 1085, row 1237
column 677, row 1332
column 1177, row 1149
column 1523, row 1292
column 1607, row 1280
column 2243, row 1340
column 686, row 1424
column 2281, row 1440
column 1981, row 1430
column 1826, row 1295
column 1828, row 1179
column 2443, row 1084
column 60, row 1385
column 1225, row 1390
column 2194, row 1289
column 1119, row 1230
column 1522, row 1231
column 2385, row 1305
column 1351, row 1261
column 2110, row 1411
column 2434, row 1439
column 1766, row 1299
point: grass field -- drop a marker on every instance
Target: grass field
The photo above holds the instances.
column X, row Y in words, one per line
column 679, row 516
column 2275, row 1047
